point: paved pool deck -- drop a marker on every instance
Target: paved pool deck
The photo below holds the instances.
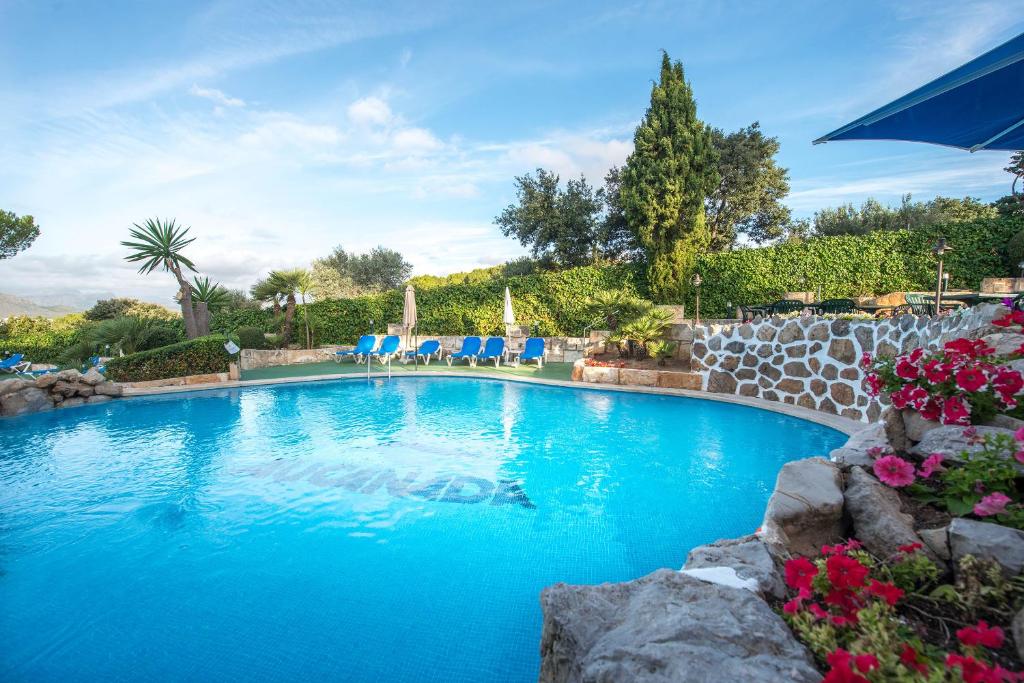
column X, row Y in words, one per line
column 553, row 374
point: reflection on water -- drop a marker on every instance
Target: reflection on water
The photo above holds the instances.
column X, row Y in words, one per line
column 218, row 535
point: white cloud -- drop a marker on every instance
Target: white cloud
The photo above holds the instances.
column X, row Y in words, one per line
column 216, row 96
column 370, row 111
column 415, row 140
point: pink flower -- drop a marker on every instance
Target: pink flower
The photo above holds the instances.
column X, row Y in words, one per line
column 1019, row 434
column 894, row 471
column 874, row 384
column 931, row 465
column 955, row 411
column 1020, row 456
column 865, row 361
column 992, row 504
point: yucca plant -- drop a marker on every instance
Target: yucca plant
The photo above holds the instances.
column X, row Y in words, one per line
column 645, row 330
column 158, row 244
column 613, row 307
column 208, row 296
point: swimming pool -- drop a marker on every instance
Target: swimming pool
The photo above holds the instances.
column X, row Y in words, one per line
column 382, row 531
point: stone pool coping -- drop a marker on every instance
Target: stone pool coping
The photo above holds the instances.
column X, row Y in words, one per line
column 841, row 424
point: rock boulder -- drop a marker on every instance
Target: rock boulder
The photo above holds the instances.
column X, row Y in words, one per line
column 878, row 519
column 29, row 399
column 806, row 508
column 987, row 541
column 666, row 627
column 748, row 556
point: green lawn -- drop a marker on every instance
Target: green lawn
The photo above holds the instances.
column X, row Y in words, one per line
column 557, row 371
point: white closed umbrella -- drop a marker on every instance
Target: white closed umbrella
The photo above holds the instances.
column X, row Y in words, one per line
column 508, row 317
column 409, row 318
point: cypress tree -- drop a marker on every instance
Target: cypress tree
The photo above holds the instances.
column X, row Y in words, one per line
column 666, row 178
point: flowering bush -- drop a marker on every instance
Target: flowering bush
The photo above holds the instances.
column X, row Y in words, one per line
column 595, row 363
column 963, row 383
column 845, row 610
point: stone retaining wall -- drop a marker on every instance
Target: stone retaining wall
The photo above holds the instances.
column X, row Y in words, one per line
column 812, row 361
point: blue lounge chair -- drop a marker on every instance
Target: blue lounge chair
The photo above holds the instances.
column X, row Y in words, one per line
column 388, row 349
column 494, row 349
column 533, row 350
column 363, row 346
column 94, row 362
column 470, row 350
column 426, row 350
column 15, row 365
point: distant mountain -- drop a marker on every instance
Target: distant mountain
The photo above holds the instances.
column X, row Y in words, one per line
column 15, row 305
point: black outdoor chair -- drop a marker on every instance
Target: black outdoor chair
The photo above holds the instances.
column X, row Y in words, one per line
column 787, row 306
column 836, row 306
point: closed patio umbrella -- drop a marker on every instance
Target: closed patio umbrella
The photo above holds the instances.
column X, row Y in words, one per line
column 979, row 105
column 409, row 319
column 508, row 317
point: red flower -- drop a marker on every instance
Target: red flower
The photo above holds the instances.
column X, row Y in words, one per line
column 844, row 599
column 932, row 409
column 865, row 662
column 907, row 369
column 845, row 572
column 908, row 657
column 841, row 671
column 865, row 361
column 800, row 572
column 874, row 383
column 792, row 607
column 816, row 609
column 887, row 591
column 981, row 634
column 971, row 379
column 955, row 411
column 936, row 372
column 910, row 548
column 971, row 670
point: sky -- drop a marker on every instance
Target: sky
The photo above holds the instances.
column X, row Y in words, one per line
column 279, row 129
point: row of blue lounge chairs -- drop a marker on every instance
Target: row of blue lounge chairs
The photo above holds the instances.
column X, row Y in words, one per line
column 471, row 351
column 15, row 364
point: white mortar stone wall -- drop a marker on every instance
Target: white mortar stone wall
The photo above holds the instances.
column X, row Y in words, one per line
column 812, row 361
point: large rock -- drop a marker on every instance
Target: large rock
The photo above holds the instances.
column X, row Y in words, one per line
column 987, row 541
column 896, row 430
column 1017, row 629
column 855, row 450
column 878, row 518
column 13, row 384
column 916, row 426
column 93, row 377
column 29, row 399
column 748, row 556
column 109, row 389
column 1005, row 343
column 951, row 442
column 666, row 627
column 806, row 508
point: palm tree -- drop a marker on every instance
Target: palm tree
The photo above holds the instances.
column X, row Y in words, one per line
column 209, row 296
column 613, row 307
column 158, row 245
column 305, row 286
column 267, row 291
column 288, row 282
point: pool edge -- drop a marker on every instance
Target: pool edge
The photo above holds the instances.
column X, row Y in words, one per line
column 839, row 423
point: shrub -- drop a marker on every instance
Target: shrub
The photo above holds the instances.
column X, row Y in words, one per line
column 251, row 338
column 42, row 340
column 194, row 357
column 1015, row 252
column 105, row 309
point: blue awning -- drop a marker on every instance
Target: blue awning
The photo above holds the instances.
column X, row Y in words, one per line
column 979, row 105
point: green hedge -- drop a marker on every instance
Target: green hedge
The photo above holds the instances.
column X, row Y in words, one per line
column 553, row 301
column 856, row 265
column 42, row 340
column 195, row 357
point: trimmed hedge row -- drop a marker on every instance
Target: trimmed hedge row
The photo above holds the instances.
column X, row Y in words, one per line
column 855, row 265
column 552, row 302
column 195, row 357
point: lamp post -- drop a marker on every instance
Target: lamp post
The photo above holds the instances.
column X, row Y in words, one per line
column 945, row 281
column 939, row 250
column 696, row 283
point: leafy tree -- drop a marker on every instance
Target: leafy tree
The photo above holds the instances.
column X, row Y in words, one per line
column 158, row 244
column 105, row 309
column 558, row 226
column 16, row 233
column 1016, row 167
column 378, row 270
column 666, row 179
column 748, row 197
column 873, row 215
column 617, row 242
column 326, row 282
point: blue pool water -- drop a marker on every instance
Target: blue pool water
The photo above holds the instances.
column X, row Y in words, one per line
column 349, row 531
